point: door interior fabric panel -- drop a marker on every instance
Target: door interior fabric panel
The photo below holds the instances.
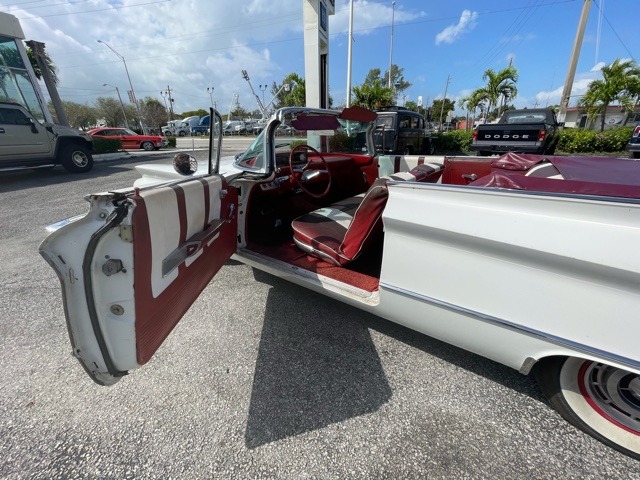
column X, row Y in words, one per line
column 199, row 207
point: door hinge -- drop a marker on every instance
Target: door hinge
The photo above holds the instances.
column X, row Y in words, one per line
column 126, row 233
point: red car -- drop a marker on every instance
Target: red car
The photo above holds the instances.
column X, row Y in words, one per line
column 130, row 140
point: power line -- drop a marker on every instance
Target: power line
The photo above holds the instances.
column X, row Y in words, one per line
column 615, row 33
column 93, row 11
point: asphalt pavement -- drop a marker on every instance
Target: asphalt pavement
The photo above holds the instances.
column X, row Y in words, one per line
column 261, row 379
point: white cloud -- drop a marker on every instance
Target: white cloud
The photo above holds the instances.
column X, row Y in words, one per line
column 189, row 45
column 368, row 16
column 598, row 66
column 466, row 23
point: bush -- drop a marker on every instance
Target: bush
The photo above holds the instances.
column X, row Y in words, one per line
column 172, row 142
column 576, row 140
column 106, row 145
column 454, row 141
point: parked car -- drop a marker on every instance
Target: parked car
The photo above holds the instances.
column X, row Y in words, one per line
column 633, row 147
column 130, row 140
column 402, row 131
column 533, row 130
column 513, row 266
column 27, row 143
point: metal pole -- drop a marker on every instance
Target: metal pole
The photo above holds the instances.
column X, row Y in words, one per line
column 573, row 62
column 443, row 100
column 393, row 13
column 133, row 93
column 126, row 124
column 210, row 92
column 348, row 102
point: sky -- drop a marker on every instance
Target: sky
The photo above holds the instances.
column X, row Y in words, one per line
column 195, row 45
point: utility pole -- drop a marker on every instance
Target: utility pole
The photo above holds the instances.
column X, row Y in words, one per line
column 167, row 92
column 573, row 62
column 38, row 50
column 444, row 99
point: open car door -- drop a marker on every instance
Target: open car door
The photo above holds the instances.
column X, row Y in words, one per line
column 134, row 264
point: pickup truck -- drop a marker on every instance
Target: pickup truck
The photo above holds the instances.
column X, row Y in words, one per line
column 175, row 128
column 27, row 143
column 521, row 131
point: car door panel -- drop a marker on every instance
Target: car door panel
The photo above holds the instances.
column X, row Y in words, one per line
column 168, row 219
column 119, row 302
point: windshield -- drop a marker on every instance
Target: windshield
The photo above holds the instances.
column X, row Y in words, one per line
column 325, row 132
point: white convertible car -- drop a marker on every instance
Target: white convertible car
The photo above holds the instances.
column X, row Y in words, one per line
column 531, row 261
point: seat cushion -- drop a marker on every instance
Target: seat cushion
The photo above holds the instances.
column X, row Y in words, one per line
column 339, row 233
column 321, row 232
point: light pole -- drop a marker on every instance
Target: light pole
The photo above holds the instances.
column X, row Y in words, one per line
column 126, row 124
column 393, row 14
column 263, row 88
column 163, row 94
column 210, row 92
column 133, row 93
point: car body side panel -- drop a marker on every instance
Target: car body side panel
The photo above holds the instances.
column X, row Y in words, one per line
column 531, row 263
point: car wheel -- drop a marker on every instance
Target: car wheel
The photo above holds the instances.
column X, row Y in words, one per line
column 599, row 399
column 148, row 146
column 75, row 158
column 431, row 147
column 181, row 134
column 634, row 154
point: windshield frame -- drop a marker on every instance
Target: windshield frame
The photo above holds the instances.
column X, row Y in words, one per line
column 265, row 143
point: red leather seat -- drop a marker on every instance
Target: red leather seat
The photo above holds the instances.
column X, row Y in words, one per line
column 339, row 233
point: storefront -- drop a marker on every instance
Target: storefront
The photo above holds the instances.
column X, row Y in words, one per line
column 17, row 80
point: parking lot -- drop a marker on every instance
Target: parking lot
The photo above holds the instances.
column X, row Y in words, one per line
column 261, row 379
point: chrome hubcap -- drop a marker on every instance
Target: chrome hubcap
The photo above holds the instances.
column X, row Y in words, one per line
column 613, row 392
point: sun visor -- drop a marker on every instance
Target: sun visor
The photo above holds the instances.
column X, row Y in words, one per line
column 358, row 114
column 315, row 122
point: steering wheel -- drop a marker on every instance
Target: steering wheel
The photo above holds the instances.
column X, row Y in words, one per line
column 314, row 171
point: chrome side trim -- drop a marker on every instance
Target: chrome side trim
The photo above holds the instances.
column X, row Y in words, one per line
column 563, row 342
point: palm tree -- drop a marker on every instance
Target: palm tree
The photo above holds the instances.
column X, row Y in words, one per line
column 36, row 68
column 372, row 95
column 501, row 84
column 471, row 102
column 620, row 82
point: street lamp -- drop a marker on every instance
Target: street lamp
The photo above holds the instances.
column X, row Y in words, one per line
column 133, row 94
column 263, row 88
column 393, row 13
column 126, row 124
column 210, row 92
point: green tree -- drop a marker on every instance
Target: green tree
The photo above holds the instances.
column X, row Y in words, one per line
column 294, row 97
column 110, row 109
column 436, row 108
column 398, row 82
column 372, row 96
column 153, row 112
column 500, row 85
column 620, row 82
column 201, row 112
column 79, row 115
column 411, row 105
